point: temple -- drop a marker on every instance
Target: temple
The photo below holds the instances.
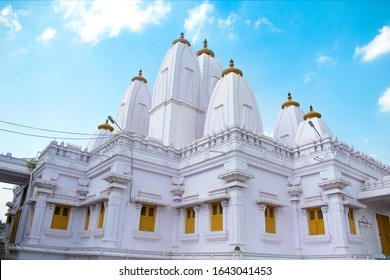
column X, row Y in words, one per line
column 186, row 172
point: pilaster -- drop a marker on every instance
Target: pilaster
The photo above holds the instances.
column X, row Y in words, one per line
column 294, row 191
column 36, row 224
column 333, row 189
column 43, row 188
column 117, row 183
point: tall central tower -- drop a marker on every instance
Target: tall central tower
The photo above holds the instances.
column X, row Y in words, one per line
column 176, row 115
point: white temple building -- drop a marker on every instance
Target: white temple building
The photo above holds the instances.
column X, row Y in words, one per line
column 187, row 173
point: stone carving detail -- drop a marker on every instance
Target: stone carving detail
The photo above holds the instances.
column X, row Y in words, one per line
column 177, row 188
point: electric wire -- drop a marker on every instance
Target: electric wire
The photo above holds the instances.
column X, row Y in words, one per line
column 54, row 137
column 44, row 129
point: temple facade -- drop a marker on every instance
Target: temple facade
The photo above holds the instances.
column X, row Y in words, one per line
column 187, row 173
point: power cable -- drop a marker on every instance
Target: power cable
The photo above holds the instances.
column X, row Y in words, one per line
column 44, row 129
column 53, row 137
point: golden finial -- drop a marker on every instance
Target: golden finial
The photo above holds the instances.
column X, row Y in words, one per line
column 181, row 40
column 231, row 69
column 231, row 63
column 106, row 126
column 205, row 50
column 311, row 114
column 139, row 77
column 289, row 102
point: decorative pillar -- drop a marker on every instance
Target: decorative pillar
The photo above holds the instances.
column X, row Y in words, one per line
column 295, row 191
column 325, row 215
column 22, row 224
column 204, row 224
column 181, row 213
column 178, row 223
column 224, row 204
column 196, row 209
column 40, row 206
column 235, row 176
column 43, row 189
column 111, row 218
column 333, row 189
column 262, row 217
column 117, row 183
column 237, row 215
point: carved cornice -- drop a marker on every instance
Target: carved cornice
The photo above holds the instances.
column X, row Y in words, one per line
column 235, row 175
column 114, row 177
column 336, row 183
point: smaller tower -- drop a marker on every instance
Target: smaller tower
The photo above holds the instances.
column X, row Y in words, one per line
column 232, row 104
column 287, row 121
column 103, row 134
column 311, row 128
column 133, row 112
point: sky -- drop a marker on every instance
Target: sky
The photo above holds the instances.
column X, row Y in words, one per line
column 64, row 65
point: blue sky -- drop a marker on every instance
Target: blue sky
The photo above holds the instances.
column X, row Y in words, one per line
column 65, row 65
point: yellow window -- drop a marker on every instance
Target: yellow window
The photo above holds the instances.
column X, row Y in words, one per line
column 269, row 213
column 190, row 220
column 60, row 218
column 147, row 218
column 351, row 220
column 384, row 232
column 216, row 216
column 316, row 221
column 86, row 223
column 101, row 215
column 15, row 226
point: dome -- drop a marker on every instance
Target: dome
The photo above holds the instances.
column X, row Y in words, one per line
column 133, row 112
column 100, row 137
column 311, row 128
column 287, row 121
column 232, row 103
column 179, row 75
column 210, row 72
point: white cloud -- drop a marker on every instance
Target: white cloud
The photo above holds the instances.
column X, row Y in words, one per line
column 20, row 51
column 47, row 35
column 9, row 18
column 307, row 77
column 380, row 45
column 197, row 19
column 323, row 59
column 227, row 25
column 96, row 20
column 265, row 21
column 384, row 101
column 262, row 20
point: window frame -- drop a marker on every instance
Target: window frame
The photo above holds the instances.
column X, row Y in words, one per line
column 351, row 221
column 59, row 220
column 101, row 215
column 189, row 220
column 270, row 219
column 316, row 223
column 87, row 219
column 147, row 220
column 216, row 217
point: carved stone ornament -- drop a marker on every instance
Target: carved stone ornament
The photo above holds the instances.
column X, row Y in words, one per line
column 114, row 177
